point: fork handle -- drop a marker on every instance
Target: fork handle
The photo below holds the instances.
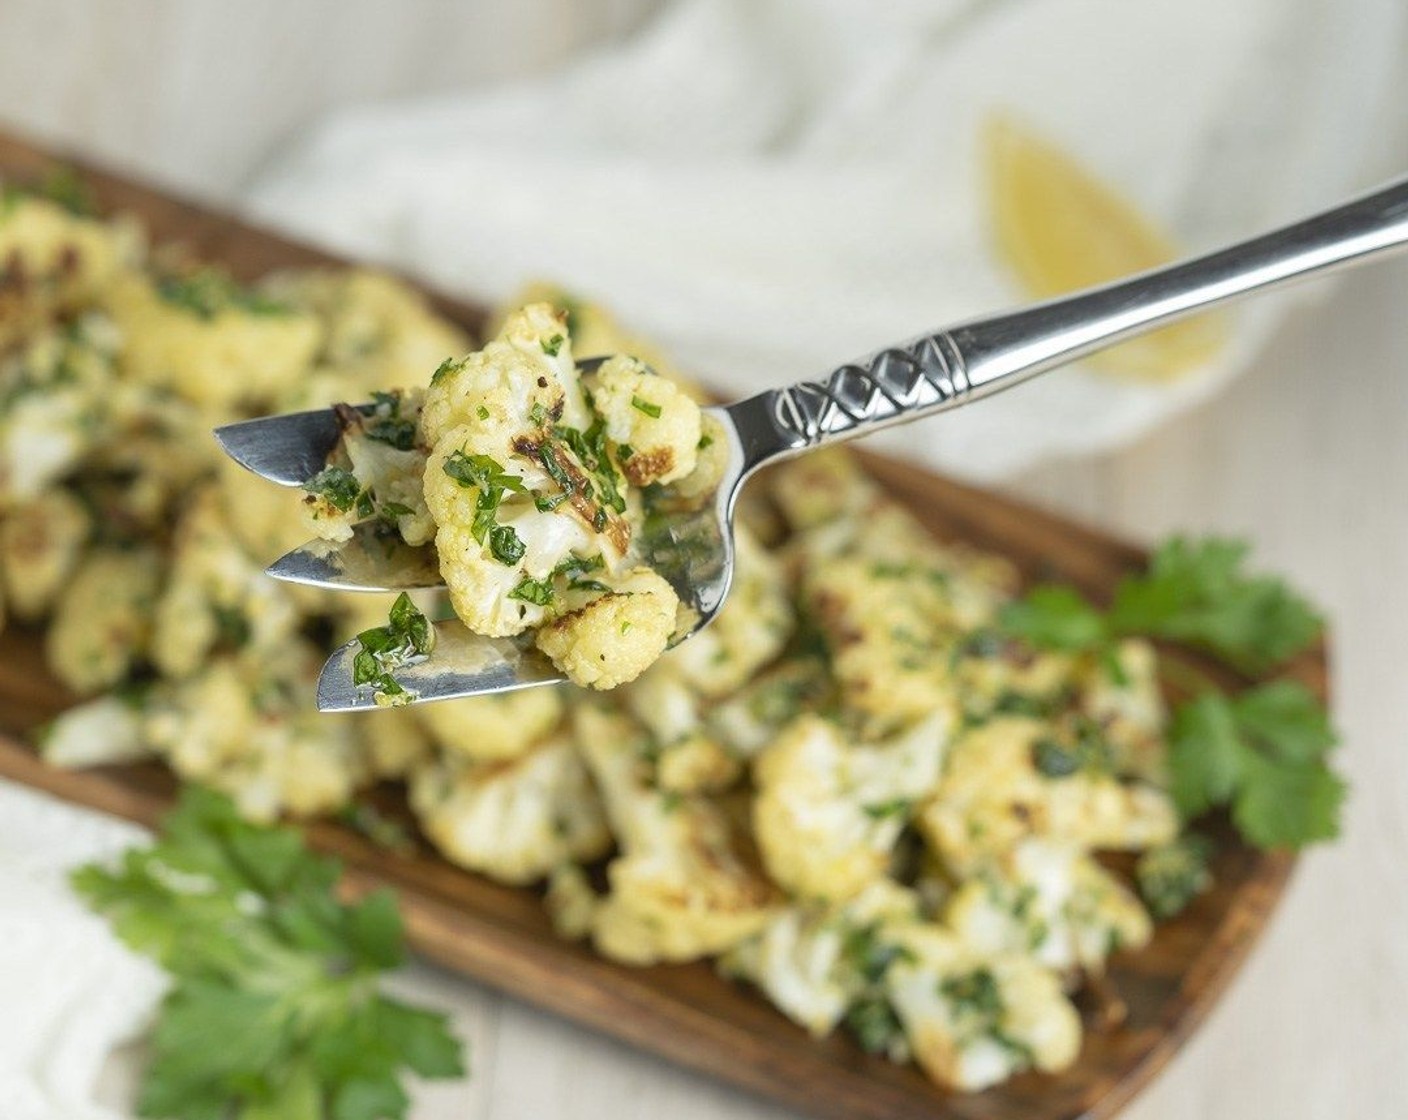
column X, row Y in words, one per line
column 951, row 367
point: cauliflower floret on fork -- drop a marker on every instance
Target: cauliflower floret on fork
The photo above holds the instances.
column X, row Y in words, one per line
column 522, row 478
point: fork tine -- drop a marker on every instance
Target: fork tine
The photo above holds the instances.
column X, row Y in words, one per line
column 288, row 449
column 462, row 664
column 367, row 562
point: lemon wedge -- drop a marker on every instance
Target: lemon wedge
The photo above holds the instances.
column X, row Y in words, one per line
column 1059, row 228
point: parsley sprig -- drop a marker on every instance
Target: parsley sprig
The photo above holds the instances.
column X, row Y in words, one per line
column 1263, row 754
column 275, row 1008
column 1196, row 592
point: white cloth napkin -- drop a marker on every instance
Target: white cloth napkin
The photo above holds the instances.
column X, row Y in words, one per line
column 771, row 187
column 70, row 991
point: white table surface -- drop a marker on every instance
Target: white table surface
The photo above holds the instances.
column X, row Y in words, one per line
column 1307, row 456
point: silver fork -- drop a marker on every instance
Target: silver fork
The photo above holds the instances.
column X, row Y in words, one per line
column 694, row 550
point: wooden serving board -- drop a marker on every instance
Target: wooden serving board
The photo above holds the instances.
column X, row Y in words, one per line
column 501, row 936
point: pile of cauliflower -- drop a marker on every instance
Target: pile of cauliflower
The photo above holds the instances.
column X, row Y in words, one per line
column 850, row 791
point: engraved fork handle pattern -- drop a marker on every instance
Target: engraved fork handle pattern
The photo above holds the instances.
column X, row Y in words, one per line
column 976, row 359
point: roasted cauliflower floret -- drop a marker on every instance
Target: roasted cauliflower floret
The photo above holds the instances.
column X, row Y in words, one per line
column 528, row 365
column 750, row 719
column 1129, row 708
column 974, row 1019
column 214, row 342
column 378, row 333
column 248, row 726
column 216, row 596
column 615, row 636
column 687, row 758
column 55, row 404
column 100, row 732
column 649, row 415
column 54, row 261
column 1050, row 901
column 41, row 542
column 493, row 728
column 595, row 330
column 514, row 820
column 815, row 962
column 103, row 623
column 376, row 473
column 686, row 884
column 828, row 812
column 1011, row 779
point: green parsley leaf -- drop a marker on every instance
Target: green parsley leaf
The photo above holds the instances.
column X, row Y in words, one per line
column 1199, row 592
column 444, row 369
column 537, row 591
column 482, row 412
column 338, row 487
column 1264, row 753
column 1055, row 617
column 274, row 1009
column 538, row 415
column 505, row 545
column 551, row 346
column 387, row 425
column 407, row 637
column 651, row 409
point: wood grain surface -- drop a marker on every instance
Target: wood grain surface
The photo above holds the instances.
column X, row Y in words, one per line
column 501, row 937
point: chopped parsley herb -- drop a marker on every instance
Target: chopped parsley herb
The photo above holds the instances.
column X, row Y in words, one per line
column 537, row 591
column 552, row 345
column 387, row 425
column 482, row 412
column 445, row 368
column 1090, row 752
column 895, row 807
column 868, row 955
column 390, row 511
column 232, row 625
column 625, row 626
column 489, row 478
column 538, row 414
column 624, row 451
column 339, row 488
column 1172, row 875
column 407, row 637
column 975, row 991
column 590, row 449
column 575, row 566
column 505, row 545
column 640, row 404
column 874, row 1023
column 705, row 441
column 207, row 292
